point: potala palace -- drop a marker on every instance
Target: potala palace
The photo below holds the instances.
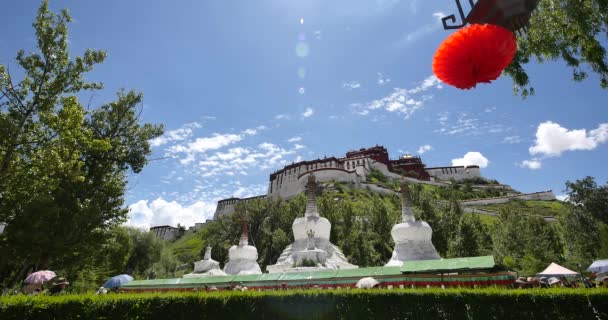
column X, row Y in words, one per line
column 290, row 181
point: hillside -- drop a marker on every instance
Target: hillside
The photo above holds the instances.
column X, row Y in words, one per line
column 187, row 248
column 530, row 207
column 361, row 221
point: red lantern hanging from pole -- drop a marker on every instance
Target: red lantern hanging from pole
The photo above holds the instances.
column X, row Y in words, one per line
column 475, row 54
column 479, row 53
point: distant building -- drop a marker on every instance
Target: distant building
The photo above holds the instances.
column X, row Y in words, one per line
column 354, row 168
column 167, row 233
column 198, row 225
column 226, row 206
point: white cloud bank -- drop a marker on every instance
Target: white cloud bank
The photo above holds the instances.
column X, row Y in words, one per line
column 145, row 214
column 204, row 144
column 382, row 80
column 404, row 101
column 425, row 148
column 180, row 134
column 533, row 164
column 472, row 158
column 351, row 85
column 552, row 140
column 308, row 113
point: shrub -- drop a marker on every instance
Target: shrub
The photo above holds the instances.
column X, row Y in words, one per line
column 317, row 304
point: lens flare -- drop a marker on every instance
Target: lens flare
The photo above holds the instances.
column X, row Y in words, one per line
column 302, row 49
column 301, row 90
column 301, row 20
column 302, row 72
column 302, row 36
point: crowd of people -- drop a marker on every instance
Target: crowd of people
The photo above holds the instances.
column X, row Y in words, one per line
column 561, row 282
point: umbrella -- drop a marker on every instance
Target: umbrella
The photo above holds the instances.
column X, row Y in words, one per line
column 39, row 277
column 117, row 281
column 598, row 266
column 553, row 280
column 366, row 283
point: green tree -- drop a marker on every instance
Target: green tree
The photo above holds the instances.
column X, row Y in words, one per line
column 467, row 240
column 529, row 241
column 63, row 168
column 581, row 235
column 568, row 30
column 146, row 251
column 585, row 194
column 115, row 252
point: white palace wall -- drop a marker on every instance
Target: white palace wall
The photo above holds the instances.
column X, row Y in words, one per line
column 292, row 185
column 543, row 196
column 288, row 183
column 457, row 173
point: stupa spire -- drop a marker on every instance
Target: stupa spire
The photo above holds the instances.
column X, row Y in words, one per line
column 244, row 231
column 311, row 197
column 207, row 255
column 407, row 214
column 412, row 238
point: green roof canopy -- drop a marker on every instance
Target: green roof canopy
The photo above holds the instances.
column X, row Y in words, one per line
column 367, row 272
column 447, row 265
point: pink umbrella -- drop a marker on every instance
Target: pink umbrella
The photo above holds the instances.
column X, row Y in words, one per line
column 39, row 277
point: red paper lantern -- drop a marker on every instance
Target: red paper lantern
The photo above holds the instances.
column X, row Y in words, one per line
column 475, row 54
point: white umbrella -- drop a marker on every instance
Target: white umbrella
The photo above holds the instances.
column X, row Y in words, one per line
column 599, row 266
column 367, row 282
column 553, row 280
column 40, row 277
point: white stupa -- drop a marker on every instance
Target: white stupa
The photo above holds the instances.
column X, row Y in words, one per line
column 311, row 249
column 412, row 238
column 242, row 258
column 206, row 267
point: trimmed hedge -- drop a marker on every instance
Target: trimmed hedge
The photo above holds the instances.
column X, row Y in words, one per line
column 315, row 304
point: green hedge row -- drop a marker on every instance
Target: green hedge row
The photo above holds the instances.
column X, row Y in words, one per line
column 313, row 304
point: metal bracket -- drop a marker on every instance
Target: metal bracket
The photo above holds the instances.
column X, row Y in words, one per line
column 452, row 18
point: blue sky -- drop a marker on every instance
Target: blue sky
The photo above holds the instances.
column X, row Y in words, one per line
column 244, row 87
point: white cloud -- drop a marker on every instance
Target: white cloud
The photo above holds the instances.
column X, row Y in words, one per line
column 180, row 134
column 512, row 140
column 562, row 197
column 438, row 15
column 443, row 118
column 402, row 101
column 250, row 132
column 317, row 34
column 294, row 139
column 216, row 141
column 351, row 85
column 552, row 139
column 205, row 144
column 424, row 148
column 533, row 164
column 467, row 125
column 382, row 80
column 145, row 214
column 424, row 30
column 242, row 160
column 471, row 158
column 281, row 116
column 490, row 109
column 308, row 113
